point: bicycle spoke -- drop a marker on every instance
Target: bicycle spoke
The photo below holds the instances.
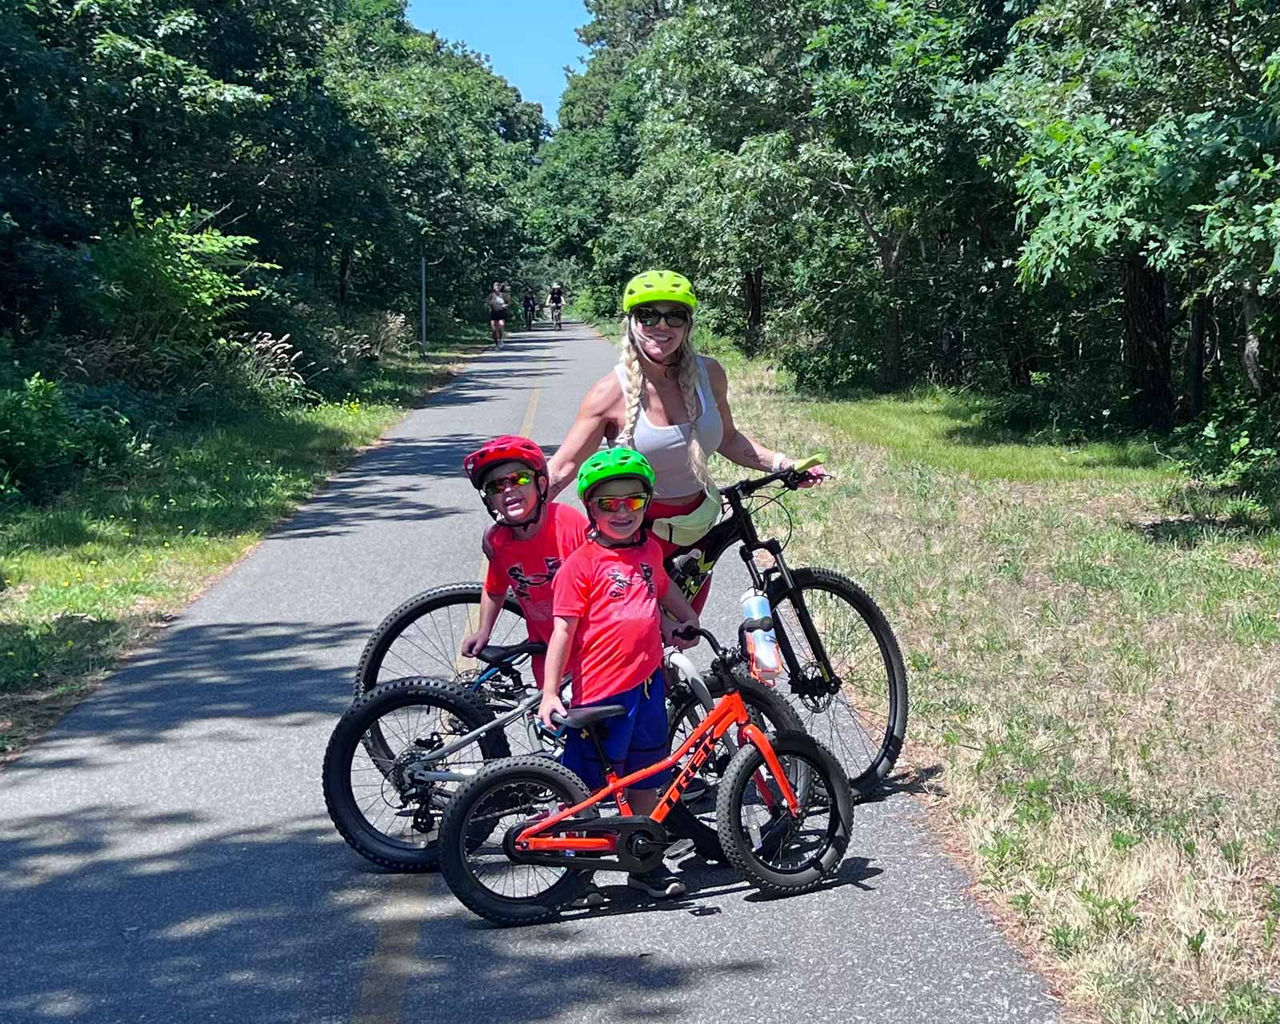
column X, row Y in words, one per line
column 846, row 691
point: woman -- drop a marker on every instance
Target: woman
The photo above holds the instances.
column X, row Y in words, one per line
column 497, row 302
column 672, row 405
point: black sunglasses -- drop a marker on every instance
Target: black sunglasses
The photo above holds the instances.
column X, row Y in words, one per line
column 649, row 317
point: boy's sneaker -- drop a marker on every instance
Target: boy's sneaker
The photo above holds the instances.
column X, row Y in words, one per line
column 592, row 896
column 657, row 883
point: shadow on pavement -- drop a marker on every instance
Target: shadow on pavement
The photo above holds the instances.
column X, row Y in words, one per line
column 239, row 670
column 128, row 916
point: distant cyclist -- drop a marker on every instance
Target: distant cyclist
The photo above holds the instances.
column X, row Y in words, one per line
column 555, row 299
column 497, row 300
column 530, row 308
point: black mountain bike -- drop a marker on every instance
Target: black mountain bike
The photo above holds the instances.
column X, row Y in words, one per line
column 844, row 671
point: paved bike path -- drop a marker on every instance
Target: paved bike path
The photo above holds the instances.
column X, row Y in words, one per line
column 165, row 854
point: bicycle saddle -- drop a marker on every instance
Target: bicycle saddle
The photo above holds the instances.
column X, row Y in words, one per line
column 494, row 654
column 585, row 718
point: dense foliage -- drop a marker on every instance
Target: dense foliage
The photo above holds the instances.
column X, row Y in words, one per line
column 1073, row 204
column 210, row 204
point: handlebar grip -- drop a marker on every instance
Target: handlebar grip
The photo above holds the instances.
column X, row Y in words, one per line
column 809, row 463
column 688, row 633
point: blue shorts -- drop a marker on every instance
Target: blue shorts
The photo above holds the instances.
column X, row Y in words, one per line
column 632, row 741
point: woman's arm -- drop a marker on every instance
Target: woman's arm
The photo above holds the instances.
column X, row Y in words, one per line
column 735, row 445
column 597, row 418
column 739, row 447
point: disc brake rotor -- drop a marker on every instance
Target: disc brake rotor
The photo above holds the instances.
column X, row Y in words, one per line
column 815, row 692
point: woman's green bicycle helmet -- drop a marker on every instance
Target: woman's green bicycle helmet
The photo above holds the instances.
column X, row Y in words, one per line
column 614, row 464
column 658, row 286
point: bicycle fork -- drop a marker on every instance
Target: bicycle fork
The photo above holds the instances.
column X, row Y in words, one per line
column 749, row 731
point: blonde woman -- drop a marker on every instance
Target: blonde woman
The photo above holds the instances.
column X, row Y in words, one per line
column 670, row 404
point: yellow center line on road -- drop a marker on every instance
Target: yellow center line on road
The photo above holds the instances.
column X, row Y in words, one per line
column 395, row 953
column 395, row 956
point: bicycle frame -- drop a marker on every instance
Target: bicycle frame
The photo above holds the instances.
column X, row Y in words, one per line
column 690, row 566
column 699, row 746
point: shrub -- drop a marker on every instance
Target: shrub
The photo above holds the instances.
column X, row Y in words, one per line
column 1237, row 446
column 47, row 437
column 168, row 286
column 257, row 369
column 36, row 454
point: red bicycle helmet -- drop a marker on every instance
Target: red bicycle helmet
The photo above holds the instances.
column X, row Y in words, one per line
column 507, row 448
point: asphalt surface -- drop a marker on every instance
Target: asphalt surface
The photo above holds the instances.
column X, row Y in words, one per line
column 165, row 854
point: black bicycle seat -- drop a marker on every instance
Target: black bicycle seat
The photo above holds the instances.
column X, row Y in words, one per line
column 494, row 654
column 585, row 718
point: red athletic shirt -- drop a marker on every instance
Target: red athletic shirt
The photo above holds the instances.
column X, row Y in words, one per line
column 527, row 567
column 614, row 594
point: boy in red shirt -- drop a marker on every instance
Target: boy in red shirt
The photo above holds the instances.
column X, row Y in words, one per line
column 529, row 542
column 608, row 633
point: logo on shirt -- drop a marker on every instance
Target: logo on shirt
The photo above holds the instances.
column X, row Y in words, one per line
column 522, row 584
column 621, row 581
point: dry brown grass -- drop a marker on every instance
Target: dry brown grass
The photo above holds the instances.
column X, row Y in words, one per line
column 1100, row 688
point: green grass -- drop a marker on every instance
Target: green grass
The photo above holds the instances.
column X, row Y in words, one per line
column 949, row 431
column 88, row 574
column 1093, row 648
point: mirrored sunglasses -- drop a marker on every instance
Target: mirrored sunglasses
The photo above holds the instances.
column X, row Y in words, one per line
column 500, row 483
column 629, row 503
column 649, row 317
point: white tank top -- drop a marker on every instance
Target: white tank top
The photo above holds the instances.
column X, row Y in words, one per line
column 667, row 448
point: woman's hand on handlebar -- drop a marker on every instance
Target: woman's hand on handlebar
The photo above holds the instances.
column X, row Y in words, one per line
column 815, row 476
column 548, row 706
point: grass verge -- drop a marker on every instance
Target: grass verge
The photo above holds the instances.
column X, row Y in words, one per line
column 87, row 577
column 1095, row 665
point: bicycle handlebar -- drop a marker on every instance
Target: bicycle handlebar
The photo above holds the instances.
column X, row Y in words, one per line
column 791, row 478
column 693, row 632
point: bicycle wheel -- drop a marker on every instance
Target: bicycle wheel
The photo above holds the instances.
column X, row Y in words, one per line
column 422, row 637
column 859, row 711
column 381, row 810
column 473, row 832
column 768, row 710
column 781, row 853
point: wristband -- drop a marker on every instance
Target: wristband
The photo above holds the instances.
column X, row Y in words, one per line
column 777, row 461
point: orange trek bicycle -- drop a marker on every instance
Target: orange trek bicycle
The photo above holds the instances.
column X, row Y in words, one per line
column 521, row 838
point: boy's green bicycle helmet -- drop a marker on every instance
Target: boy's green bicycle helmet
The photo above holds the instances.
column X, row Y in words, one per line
column 614, row 464
column 658, row 286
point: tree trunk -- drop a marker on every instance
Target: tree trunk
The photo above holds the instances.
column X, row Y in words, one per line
column 344, row 273
column 753, row 295
column 1195, row 357
column 1147, row 342
column 1020, row 367
column 891, row 371
column 1251, row 352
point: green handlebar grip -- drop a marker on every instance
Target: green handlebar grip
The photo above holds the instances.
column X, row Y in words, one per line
column 809, row 463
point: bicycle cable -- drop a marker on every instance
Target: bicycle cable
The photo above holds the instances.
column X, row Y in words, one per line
column 776, row 499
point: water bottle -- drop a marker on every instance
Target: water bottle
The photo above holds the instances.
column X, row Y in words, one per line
column 762, row 644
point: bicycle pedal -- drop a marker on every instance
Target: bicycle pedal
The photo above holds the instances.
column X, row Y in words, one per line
column 678, row 849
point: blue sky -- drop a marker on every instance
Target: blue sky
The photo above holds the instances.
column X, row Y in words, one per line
column 529, row 43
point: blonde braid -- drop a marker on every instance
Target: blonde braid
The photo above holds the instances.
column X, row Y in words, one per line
column 632, row 391
column 687, row 377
